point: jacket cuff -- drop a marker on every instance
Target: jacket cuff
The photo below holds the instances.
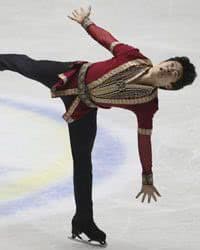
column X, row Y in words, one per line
column 144, row 131
column 86, row 22
column 147, row 179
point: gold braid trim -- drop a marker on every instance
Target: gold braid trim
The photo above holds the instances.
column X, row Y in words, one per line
column 83, row 91
column 113, row 44
column 67, row 115
column 64, row 92
column 63, row 77
column 144, row 131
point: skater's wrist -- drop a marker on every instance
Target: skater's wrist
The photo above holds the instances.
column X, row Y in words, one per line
column 86, row 22
column 147, row 179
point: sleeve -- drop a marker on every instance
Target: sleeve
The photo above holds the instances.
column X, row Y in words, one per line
column 145, row 113
column 106, row 39
column 145, row 126
column 145, row 153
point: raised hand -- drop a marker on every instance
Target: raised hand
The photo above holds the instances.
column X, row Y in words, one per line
column 78, row 16
column 148, row 190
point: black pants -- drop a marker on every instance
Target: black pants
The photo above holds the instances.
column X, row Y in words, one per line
column 82, row 132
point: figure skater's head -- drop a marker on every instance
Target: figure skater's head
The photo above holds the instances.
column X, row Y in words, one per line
column 174, row 73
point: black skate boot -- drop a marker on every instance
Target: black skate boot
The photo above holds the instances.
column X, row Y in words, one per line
column 89, row 228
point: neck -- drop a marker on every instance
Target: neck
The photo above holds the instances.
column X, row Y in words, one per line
column 147, row 79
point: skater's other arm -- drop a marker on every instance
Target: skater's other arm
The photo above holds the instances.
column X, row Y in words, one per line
column 145, row 122
column 145, row 152
column 145, row 114
column 99, row 34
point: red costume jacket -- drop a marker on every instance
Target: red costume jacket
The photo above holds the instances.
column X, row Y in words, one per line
column 112, row 83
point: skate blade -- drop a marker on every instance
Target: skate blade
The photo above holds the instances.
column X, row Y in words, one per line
column 89, row 242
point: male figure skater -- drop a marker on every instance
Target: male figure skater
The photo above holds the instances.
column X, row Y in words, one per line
column 128, row 80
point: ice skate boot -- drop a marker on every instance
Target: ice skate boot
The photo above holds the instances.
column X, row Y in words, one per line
column 90, row 229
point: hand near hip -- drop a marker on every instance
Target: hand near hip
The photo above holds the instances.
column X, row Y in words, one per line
column 148, row 190
column 78, row 16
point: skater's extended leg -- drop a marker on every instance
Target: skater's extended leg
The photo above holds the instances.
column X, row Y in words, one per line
column 43, row 71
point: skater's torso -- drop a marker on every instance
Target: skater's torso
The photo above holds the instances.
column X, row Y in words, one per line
column 114, row 82
column 109, row 83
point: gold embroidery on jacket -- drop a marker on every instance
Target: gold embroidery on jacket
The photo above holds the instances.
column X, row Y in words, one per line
column 117, row 70
column 118, row 85
column 115, row 87
column 126, row 101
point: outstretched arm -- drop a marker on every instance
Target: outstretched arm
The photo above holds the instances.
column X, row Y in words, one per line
column 145, row 152
column 145, row 126
column 102, row 36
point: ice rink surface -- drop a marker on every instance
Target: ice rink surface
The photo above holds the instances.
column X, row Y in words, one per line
column 36, row 202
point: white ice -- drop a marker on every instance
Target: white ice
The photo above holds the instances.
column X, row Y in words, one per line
column 35, row 205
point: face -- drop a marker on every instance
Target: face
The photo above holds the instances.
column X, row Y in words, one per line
column 167, row 73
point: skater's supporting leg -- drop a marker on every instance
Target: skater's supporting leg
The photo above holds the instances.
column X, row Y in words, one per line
column 43, row 71
column 82, row 136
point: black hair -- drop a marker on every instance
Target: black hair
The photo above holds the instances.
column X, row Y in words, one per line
column 189, row 73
